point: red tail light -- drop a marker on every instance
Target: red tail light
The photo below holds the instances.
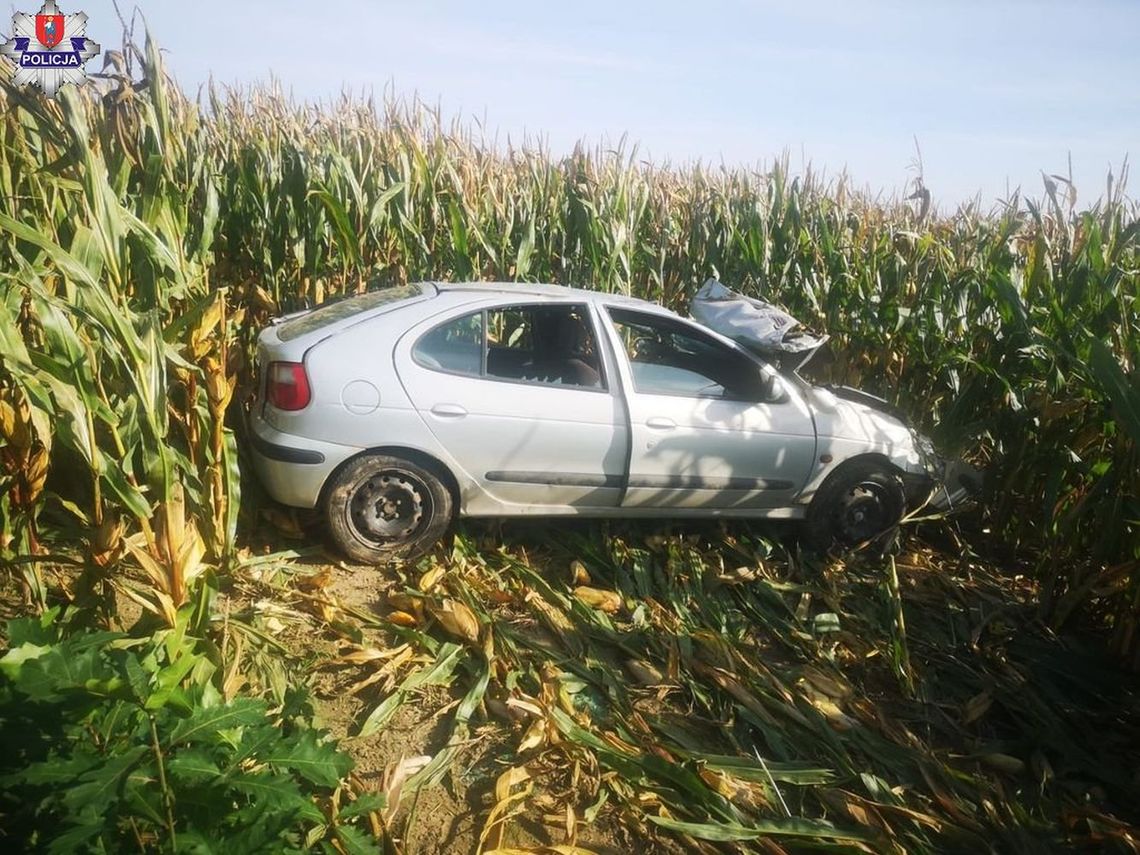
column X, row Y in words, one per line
column 287, row 386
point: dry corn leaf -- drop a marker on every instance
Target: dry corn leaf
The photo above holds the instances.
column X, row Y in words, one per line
column 401, row 601
column 525, row 706
column 154, row 601
column 644, row 673
column 431, row 578
column 833, row 687
column 741, row 575
column 605, row 601
column 1003, row 763
column 831, row 711
column 394, row 778
column 731, row 685
column 718, row 782
column 534, row 737
column 315, row 582
column 976, row 707
column 579, row 575
column 898, row 810
column 363, row 655
column 508, row 780
column 234, row 681
column 556, row 620
column 457, row 619
column 620, row 744
column 385, row 675
column 495, row 825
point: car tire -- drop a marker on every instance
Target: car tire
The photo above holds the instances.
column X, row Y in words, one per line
column 381, row 509
column 857, row 503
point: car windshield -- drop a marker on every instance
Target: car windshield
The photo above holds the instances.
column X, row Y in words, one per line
column 338, row 310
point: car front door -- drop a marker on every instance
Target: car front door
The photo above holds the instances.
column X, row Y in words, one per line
column 709, row 426
column 519, row 395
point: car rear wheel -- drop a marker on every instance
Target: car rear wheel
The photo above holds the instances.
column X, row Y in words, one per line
column 856, row 504
column 381, row 508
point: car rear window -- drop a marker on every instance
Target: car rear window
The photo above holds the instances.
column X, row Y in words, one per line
column 330, row 313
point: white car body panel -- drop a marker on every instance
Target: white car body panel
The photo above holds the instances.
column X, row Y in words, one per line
column 520, row 444
column 845, row 429
column 687, row 451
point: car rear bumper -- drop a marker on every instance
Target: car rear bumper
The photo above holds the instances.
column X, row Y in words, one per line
column 293, row 469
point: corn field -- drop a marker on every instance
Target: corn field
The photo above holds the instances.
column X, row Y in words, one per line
column 145, row 238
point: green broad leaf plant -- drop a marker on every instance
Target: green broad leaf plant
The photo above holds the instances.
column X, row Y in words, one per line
column 111, row 743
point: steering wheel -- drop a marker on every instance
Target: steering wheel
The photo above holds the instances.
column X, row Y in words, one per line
column 645, row 349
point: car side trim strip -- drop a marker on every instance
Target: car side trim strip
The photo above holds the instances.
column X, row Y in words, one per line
column 556, row 479
column 697, row 482
column 676, row 482
column 284, row 453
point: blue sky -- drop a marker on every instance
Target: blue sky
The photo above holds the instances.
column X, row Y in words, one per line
column 994, row 91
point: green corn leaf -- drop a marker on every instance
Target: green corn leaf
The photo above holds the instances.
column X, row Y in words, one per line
column 526, row 252
column 1125, row 396
column 438, row 673
column 819, row 830
column 346, row 236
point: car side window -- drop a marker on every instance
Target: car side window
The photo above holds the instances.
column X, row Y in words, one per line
column 668, row 358
column 455, row 346
column 543, row 343
column 548, row 344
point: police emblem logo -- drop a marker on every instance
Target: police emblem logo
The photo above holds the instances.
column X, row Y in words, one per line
column 49, row 48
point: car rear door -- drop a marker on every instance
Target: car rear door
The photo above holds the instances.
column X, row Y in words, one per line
column 706, row 431
column 519, row 394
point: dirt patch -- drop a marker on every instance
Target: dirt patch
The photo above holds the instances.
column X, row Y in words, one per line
column 450, row 817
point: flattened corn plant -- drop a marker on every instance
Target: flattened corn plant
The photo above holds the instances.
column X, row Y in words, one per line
column 708, row 693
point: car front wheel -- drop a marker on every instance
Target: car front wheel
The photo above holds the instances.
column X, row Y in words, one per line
column 856, row 504
column 381, row 508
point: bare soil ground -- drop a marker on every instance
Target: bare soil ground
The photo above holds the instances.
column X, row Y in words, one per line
column 441, row 820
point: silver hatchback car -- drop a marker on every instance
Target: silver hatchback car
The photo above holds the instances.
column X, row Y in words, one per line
column 397, row 409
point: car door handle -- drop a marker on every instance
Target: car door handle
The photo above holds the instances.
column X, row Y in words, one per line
column 453, row 411
column 660, row 423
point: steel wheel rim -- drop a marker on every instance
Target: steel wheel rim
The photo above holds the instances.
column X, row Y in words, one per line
column 388, row 507
column 863, row 512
